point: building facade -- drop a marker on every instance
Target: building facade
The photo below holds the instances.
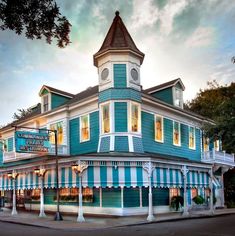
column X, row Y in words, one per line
column 139, row 148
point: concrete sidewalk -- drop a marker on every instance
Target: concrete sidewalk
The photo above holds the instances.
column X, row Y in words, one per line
column 98, row 222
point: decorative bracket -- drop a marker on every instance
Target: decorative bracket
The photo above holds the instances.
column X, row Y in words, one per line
column 184, row 171
column 149, row 168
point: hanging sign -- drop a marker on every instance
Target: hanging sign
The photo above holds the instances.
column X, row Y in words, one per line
column 31, row 142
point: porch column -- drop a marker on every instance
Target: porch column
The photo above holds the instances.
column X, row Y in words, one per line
column 148, row 167
column 42, row 213
column 14, row 211
column 223, row 170
column 211, row 192
column 184, row 171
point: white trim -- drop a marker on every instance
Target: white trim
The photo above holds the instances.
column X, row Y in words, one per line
column 80, row 128
column 130, row 143
column 112, row 142
column 162, row 128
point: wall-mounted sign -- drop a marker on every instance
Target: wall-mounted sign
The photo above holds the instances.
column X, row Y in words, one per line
column 32, row 142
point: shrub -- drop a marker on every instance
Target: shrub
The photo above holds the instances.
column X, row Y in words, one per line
column 198, row 200
column 176, row 201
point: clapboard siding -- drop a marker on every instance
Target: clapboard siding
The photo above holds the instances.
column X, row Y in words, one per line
column 120, row 109
column 119, row 71
column 167, row 147
column 77, row 147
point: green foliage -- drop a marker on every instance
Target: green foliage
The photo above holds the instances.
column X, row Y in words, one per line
column 176, row 201
column 217, row 103
column 229, row 188
column 21, row 113
column 36, row 18
column 199, row 200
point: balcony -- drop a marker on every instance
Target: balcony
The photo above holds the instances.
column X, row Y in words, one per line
column 16, row 156
column 218, row 157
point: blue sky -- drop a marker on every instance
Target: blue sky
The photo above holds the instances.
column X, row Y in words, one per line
column 193, row 40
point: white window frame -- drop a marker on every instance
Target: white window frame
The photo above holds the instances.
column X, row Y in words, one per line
column 173, row 130
column 194, row 138
column 162, row 128
column 130, row 117
column 80, row 128
column 101, row 121
column 63, row 132
column 180, row 97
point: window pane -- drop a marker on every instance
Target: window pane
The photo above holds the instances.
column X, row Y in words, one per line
column 106, row 119
column 45, row 103
column 176, row 134
column 191, row 137
column 206, row 144
column 158, row 128
column 59, row 127
column 134, row 118
column 85, row 130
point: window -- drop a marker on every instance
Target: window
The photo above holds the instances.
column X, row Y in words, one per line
column 176, row 133
column 194, row 192
column 59, row 127
column 84, row 128
column 105, row 109
column 192, row 137
column 206, row 142
column 158, row 128
column 45, row 101
column 178, row 100
column 135, row 117
column 216, row 145
column 174, row 192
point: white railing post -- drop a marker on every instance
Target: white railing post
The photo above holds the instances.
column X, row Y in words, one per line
column 213, row 153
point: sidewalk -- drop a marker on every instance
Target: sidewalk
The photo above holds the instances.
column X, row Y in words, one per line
column 97, row 222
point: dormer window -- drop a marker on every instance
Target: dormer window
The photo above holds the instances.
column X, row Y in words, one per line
column 45, row 102
column 178, row 97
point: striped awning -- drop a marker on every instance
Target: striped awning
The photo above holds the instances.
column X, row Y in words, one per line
column 216, row 183
column 108, row 176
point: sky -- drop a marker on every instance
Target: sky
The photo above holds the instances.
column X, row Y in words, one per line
column 187, row 39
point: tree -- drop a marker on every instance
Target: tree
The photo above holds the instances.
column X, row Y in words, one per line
column 217, row 103
column 36, row 18
column 21, row 113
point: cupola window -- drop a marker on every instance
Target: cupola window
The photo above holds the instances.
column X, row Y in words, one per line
column 135, row 117
column 105, row 109
column 45, row 101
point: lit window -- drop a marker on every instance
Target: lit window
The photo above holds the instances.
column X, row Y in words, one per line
column 45, row 101
column 176, row 133
column 216, row 145
column 174, row 192
column 59, row 127
column 206, row 142
column 105, row 118
column 194, row 192
column 84, row 128
column 135, row 117
column 191, row 137
column 159, row 128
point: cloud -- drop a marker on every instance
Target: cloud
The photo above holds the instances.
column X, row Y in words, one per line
column 202, row 36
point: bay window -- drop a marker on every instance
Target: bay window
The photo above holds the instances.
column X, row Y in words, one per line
column 105, row 112
column 135, row 117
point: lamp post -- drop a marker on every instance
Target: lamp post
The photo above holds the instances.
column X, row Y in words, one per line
column 78, row 169
column 40, row 173
column 185, row 171
column 13, row 175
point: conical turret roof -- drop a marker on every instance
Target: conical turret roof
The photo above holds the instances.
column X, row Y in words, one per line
column 118, row 39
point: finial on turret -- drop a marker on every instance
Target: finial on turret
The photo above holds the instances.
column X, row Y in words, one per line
column 117, row 13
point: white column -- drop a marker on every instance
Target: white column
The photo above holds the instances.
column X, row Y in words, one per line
column 211, row 193
column 42, row 213
column 122, row 197
column 14, row 212
column 148, row 167
column 80, row 210
column 101, row 197
column 141, row 200
column 184, row 171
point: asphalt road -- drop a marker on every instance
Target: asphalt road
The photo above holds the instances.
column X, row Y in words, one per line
column 216, row 226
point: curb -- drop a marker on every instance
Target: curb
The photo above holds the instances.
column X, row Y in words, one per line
column 119, row 226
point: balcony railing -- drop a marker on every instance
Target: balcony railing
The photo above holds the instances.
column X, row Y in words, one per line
column 15, row 156
column 218, row 157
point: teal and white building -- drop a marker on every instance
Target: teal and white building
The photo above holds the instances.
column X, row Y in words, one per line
column 140, row 147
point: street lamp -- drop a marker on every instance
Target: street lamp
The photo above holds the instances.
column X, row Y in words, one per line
column 78, row 169
column 40, row 173
column 13, row 175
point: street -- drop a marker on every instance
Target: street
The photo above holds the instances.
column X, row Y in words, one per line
column 216, row 226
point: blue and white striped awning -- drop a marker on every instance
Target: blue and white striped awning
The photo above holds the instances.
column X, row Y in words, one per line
column 216, row 183
column 108, row 176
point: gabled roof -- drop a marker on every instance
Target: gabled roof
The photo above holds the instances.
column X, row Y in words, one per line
column 118, row 38
column 164, row 86
column 56, row 91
